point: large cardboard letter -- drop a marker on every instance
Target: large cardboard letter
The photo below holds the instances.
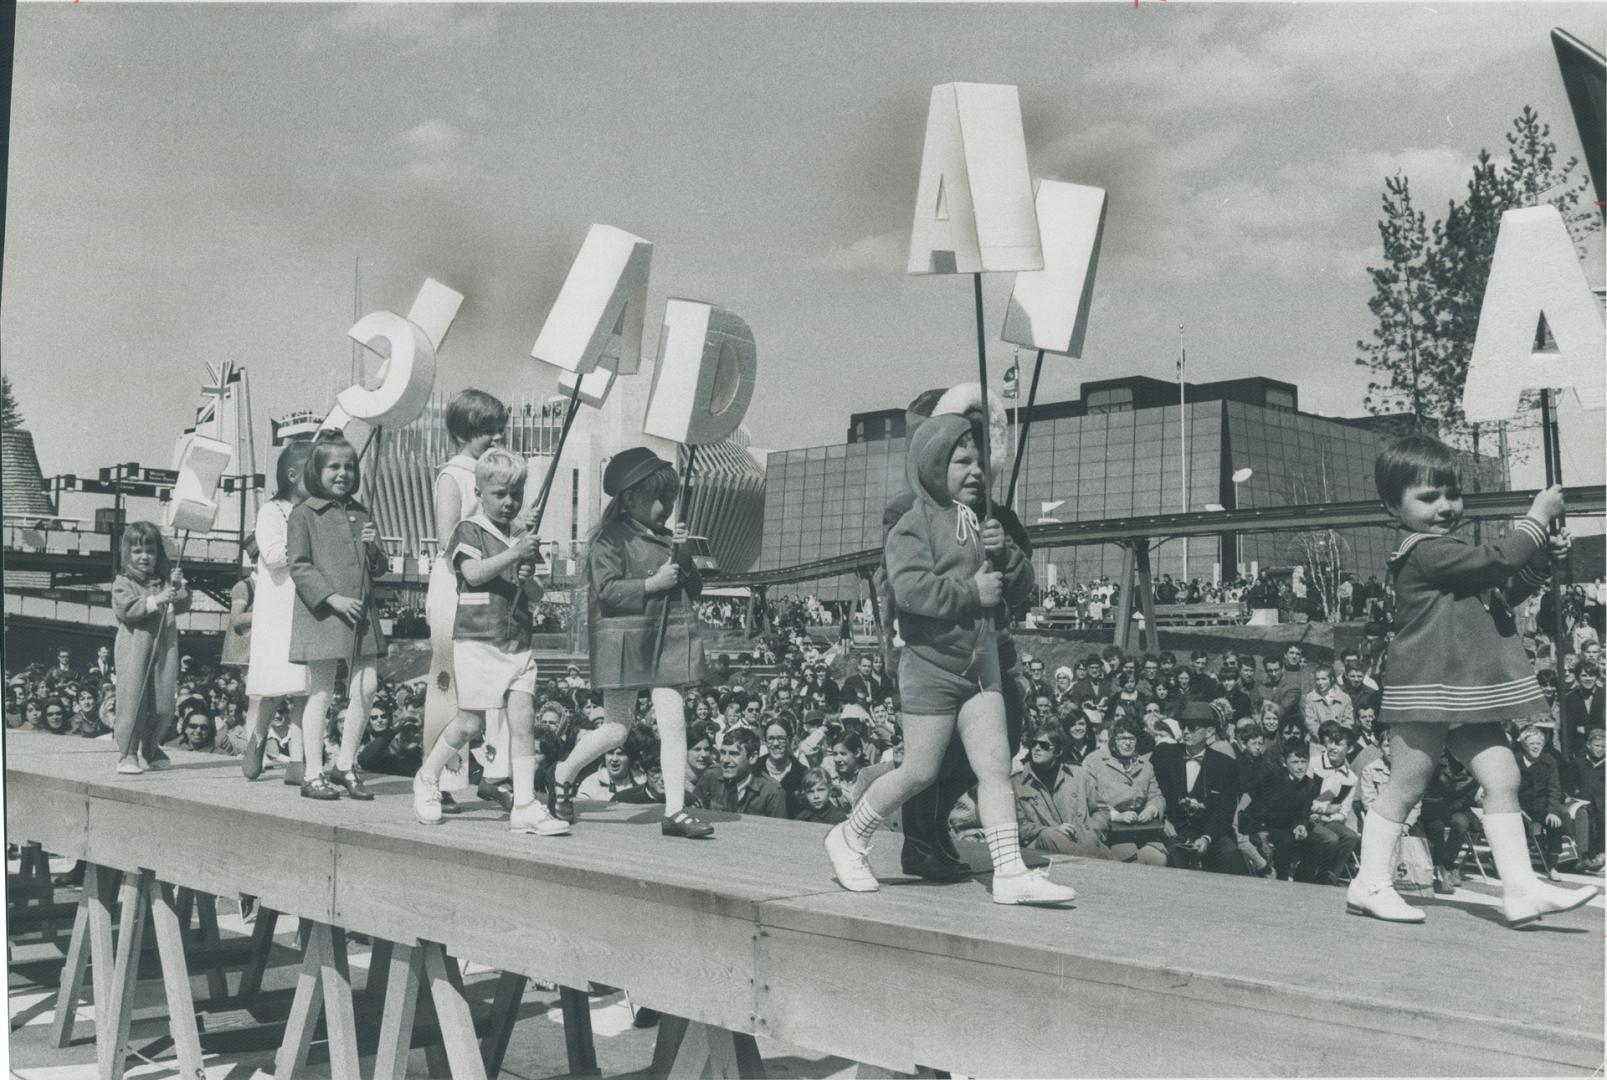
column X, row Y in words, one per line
column 1534, row 272
column 703, row 381
column 408, row 374
column 973, row 206
column 193, row 505
column 600, row 312
column 595, row 386
column 1049, row 308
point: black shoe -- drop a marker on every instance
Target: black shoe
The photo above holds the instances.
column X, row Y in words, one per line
column 928, row 862
column 72, row 879
column 645, row 1018
column 684, row 824
column 561, row 801
column 449, row 805
column 295, row 773
column 501, row 794
column 320, row 789
column 352, row 783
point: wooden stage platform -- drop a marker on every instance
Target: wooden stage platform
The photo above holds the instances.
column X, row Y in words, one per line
column 1152, row 972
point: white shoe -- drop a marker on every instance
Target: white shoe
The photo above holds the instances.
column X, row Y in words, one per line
column 1524, row 904
column 1032, row 887
column 130, row 767
column 851, row 866
column 533, row 817
column 426, row 800
column 1380, row 900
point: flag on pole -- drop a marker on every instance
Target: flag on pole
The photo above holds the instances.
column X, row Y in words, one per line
column 1012, row 379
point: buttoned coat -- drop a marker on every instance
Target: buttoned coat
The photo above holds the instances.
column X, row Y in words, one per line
column 625, row 620
column 327, row 558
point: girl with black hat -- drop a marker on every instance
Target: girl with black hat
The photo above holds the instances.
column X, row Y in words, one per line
column 635, row 573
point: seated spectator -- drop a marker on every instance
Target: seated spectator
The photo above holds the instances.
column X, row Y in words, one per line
column 1335, row 833
column 1540, row 789
column 1583, row 706
column 1326, row 703
column 847, row 756
column 779, row 764
column 1445, row 817
column 1128, row 803
column 736, row 787
column 195, row 732
column 85, row 718
column 58, row 718
column 816, row 802
column 1079, row 740
column 650, row 789
column 1201, row 792
column 1279, row 813
column 1054, row 801
column 1584, row 777
column 617, row 773
column 701, row 740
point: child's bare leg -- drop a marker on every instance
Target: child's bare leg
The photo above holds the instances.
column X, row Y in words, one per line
column 1484, row 749
column 320, row 689
column 360, row 690
column 982, row 730
column 1414, row 755
column 521, row 719
column 925, row 740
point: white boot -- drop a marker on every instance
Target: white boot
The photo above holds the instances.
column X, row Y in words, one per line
column 1524, row 897
column 1372, row 891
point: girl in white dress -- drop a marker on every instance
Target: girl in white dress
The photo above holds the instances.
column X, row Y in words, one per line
column 270, row 676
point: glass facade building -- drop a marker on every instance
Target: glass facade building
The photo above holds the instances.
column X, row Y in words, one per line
column 1116, row 452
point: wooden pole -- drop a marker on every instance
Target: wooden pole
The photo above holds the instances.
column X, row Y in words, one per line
column 987, row 419
column 681, row 504
column 539, row 507
column 1023, row 422
column 1551, row 438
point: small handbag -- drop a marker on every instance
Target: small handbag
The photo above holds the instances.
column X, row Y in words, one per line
column 1136, row 832
column 1414, row 865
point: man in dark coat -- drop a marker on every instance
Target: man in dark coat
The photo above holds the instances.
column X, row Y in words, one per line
column 1201, row 790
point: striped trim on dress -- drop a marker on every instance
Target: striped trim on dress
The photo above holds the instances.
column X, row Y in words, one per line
column 1462, row 698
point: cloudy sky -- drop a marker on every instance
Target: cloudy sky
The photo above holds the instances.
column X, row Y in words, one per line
column 193, row 183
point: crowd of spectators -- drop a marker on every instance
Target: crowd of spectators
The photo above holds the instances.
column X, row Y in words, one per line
column 1231, row 762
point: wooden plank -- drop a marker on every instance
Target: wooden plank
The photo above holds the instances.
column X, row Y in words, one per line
column 582, row 936
column 287, row 871
column 576, row 1008
column 402, row 987
column 100, row 886
column 379, row 969
column 505, row 1013
column 48, row 811
column 261, row 948
column 452, row 1009
column 339, row 1016
column 159, row 895
column 119, row 1012
column 304, row 1009
column 217, row 983
column 71, row 990
column 671, row 1030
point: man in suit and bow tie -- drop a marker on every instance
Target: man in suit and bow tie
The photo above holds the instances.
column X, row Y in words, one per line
column 1201, row 790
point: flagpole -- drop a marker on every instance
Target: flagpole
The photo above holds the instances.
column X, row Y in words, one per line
column 1183, row 453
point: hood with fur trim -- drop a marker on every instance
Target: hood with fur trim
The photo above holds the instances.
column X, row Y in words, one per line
column 926, row 464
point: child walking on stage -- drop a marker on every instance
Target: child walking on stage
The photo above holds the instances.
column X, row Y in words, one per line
column 270, row 675
column 146, row 597
column 634, row 577
column 475, row 421
column 1455, row 672
column 948, row 676
column 334, row 553
column 492, row 657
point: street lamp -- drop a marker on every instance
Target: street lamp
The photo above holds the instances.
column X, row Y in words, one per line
column 1239, row 476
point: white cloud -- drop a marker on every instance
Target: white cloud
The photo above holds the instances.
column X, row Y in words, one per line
column 407, row 27
column 432, row 137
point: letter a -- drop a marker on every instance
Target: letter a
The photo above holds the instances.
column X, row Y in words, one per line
column 602, row 306
column 1533, row 274
column 973, row 206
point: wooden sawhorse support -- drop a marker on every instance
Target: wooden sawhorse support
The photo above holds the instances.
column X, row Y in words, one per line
column 690, row 1051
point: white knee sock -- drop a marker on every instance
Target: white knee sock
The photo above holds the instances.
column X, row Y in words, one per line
column 619, row 710
column 1377, row 858
column 523, row 771
column 670, row 711
column 439, row 754
column 862, row 825
column 1004, row 847
column 1509, row 847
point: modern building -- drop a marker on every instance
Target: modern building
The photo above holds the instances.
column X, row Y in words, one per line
column 1117, row 451
column 727, row 493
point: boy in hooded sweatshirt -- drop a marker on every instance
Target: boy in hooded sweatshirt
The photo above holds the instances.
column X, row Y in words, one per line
column 941, row 570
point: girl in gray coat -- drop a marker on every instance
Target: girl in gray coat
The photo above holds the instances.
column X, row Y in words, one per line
column 334, row 553
column 146, row 598
column 638, row 582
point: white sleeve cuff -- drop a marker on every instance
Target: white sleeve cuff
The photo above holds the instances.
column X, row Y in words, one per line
column 151, row 605
column 1534, row 529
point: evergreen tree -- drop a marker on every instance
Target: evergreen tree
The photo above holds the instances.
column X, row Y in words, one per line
column 1400, row 354
column 10, row 414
